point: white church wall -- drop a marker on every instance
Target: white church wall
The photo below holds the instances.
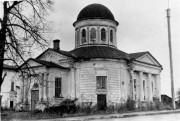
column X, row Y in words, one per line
column 58, row 73
column 117, row 80
column 52, row 73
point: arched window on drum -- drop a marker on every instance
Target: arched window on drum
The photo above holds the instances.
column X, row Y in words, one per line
column 103, row 34
column 93, row 35
column 111, row 36
column 83, row 37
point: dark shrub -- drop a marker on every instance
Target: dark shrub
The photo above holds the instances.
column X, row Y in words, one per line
column 67, row 106
column 130, row 104
column 86, row 107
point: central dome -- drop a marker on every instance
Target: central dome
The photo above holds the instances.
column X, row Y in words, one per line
column 95, row 11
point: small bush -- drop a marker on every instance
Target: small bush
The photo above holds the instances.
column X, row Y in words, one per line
column 130, row 104
column 67, row 106
column 87, row 108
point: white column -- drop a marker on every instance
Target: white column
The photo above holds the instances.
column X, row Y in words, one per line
column 45, row 87
column 158, row 87
column 132, row 83
column 87, row 34
column 115, row 40
column 150, row 87
column 41, row 87
column 77, row 83
column 26, row 90
column 75, row 38
column 98, row 35
column 22, row 90
column 72, row 84
column 108, row 35
column 141, row 86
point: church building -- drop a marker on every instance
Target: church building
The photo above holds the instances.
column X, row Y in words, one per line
column 95, row 70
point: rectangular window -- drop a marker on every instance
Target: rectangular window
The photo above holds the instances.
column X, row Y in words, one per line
column 135, row 84
column 57, row 87
column 101, row 82
column 12, row 86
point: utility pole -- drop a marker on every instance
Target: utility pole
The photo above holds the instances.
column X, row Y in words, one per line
column 170, row 58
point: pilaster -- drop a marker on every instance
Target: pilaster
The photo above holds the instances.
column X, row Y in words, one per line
column 108, row 35
column 158, row 87
column 22, row 90
column 45, row 86
column 141, row 86
column 150, row 87
column 132, row 83
column 41, row 87
column 72, row 83
column 87, row 35
column 98, row 35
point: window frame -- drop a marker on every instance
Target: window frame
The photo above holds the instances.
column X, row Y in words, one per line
column 103, row 34
column 135, row 86
column 93, row 35
column 103, row 82
column 83, row 36
column 58, row 87
column 111, row 36
column 12, row 86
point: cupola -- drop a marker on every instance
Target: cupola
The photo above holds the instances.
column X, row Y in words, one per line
column 95, row 26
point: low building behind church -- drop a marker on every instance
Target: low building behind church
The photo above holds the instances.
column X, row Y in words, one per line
column 10, row 88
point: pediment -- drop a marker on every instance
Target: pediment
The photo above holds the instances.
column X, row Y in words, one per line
column 148, row 58
column 53, row 56
column 31, row 63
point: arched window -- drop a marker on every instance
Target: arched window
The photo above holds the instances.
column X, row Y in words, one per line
column 103, row 34
column 93, row 35
column 83, row 37
column 111, row 35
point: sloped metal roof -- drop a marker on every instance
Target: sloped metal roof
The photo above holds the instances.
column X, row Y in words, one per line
column 45, row 63
column 105, row 52
column 137, row 55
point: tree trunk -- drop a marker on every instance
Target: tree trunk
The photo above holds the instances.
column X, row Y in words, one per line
column 2, row 42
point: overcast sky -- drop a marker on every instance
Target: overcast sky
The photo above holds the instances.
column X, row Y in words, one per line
column 142, row 27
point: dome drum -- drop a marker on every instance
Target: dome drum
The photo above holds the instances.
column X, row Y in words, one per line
column 95, row 35
column 95, row 25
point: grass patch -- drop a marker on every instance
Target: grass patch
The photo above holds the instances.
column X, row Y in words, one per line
column 69, row 109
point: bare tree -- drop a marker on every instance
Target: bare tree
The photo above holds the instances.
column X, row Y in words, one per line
column 22, row 26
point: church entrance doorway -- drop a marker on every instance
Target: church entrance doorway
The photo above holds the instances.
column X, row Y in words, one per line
column 11, row 104
column 101, row 101
column 34, row 98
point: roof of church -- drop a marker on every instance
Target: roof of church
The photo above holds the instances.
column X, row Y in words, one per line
column 93, row 52
column 106, row 52
column 137, row 55
column 46, row 63
column 66, row 53
column 95, row 11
